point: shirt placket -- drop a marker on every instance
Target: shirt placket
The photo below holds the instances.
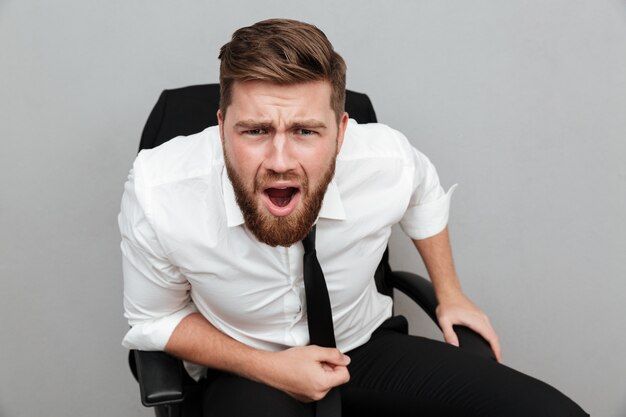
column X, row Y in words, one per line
column 295, row 299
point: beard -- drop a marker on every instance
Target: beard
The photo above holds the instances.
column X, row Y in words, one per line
column 273, row 230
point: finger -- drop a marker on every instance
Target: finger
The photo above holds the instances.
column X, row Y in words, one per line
column 327, row 367
column 332, row 356
column 497, row 350
column 340, row 375
column 489, row 334
column 495, row 346
column 486, row 331
column 448, row 334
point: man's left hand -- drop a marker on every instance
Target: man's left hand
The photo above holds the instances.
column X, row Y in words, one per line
column 457, row 309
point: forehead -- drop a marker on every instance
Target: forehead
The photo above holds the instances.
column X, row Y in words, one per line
column 256, row 97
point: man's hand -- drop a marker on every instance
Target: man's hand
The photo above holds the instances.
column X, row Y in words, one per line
column 307, row 373
column 454, row 307
column 458, row 309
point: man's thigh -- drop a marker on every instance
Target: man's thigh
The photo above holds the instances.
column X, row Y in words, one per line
column 228, row 395
column 401, row 375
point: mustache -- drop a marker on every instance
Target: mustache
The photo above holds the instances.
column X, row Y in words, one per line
column 270, row 176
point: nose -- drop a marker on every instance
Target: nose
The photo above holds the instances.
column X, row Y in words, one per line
column 279, row 157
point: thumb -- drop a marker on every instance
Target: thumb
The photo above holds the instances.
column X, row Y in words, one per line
column 333, row 356
column 449, row 335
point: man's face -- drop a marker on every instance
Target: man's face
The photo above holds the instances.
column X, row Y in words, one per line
column 280, row 144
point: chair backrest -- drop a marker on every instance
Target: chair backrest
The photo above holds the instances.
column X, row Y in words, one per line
column 187, row 110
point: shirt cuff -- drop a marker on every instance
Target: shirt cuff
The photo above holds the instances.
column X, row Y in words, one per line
column 154, row 334
column 428, row 219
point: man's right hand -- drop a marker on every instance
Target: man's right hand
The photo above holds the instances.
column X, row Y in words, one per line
column 307, row 373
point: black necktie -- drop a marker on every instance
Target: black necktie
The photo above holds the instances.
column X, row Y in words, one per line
column 320, row 318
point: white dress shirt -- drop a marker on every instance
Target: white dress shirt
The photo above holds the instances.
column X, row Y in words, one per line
column 185, row 247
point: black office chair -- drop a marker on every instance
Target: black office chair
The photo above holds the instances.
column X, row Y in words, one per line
column 164, row 384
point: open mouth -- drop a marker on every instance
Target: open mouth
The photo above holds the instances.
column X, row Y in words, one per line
column 281, row 201
column 281, row 196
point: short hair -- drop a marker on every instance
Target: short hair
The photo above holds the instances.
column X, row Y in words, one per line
column 284, row 52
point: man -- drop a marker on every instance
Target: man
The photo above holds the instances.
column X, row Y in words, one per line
column 211, row 228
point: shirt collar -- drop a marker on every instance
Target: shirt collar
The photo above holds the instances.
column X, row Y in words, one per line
column 332, row 206
column 234, row 217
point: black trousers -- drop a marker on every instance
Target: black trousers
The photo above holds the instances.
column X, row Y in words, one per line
column 395, row 374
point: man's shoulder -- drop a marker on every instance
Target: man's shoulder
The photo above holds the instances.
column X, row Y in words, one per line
column 374, row 140
column 180, row 158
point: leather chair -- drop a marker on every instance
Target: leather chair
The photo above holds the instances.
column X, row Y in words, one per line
column 164, row 384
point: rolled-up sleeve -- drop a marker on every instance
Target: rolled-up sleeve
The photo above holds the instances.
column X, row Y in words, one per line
column 429, row 208
column 156, row 294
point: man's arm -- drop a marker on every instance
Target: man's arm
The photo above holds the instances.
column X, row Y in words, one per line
column 454, row 307
column 307, row 373
column 159, row 309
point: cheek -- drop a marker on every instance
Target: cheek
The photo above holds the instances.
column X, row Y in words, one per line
column 317, row 167
column 244, row 161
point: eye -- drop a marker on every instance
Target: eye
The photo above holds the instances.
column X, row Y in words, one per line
column 255, row 132
column 306, row 132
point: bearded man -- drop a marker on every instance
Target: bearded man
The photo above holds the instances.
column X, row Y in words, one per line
column 211, row 228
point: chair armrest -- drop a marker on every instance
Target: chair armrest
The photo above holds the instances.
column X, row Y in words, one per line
column 420, row 290
column 160, row 377
column 416, row 287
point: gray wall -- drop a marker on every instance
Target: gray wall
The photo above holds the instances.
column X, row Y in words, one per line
column 521, row 102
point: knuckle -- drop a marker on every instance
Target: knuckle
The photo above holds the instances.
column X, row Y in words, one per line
column 318, row 395
column 319, row 387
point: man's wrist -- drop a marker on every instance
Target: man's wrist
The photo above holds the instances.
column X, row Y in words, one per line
column 258, row 365
column 449, row 292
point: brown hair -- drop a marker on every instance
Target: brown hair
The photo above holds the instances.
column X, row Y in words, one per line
column 282, row 51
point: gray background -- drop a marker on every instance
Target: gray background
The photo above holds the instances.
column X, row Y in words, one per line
column 520, row 102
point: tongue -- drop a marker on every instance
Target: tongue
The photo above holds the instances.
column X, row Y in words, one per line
column 280, row 196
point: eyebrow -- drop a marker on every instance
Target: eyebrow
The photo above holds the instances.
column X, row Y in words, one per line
column 263, row 124
column 253, row 124
column 309, row 124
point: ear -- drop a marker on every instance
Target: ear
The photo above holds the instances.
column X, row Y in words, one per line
column 220, row 123
column 343, row 124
